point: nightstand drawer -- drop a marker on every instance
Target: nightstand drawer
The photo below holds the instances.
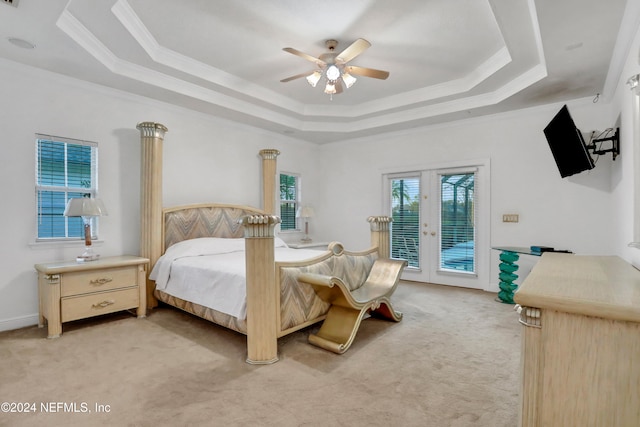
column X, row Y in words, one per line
column 84, row 282
column 80, row 307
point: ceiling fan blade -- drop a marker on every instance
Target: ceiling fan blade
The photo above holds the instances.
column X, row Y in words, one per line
column 297, row 76
column 355, row 49
column 308, row 57
column 367, row 72
column 339, row 87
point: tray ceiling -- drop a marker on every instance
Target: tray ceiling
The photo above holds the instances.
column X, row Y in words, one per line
column 447, row 59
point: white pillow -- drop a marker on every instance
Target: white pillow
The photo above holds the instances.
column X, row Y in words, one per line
column 279, row 243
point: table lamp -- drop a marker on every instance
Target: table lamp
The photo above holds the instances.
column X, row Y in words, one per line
column 306, row 212
column 86, row 208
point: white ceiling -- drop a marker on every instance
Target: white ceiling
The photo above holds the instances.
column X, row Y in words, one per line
column 447, row 59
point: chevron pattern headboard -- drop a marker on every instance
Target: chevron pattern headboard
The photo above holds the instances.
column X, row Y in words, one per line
column 204, row 220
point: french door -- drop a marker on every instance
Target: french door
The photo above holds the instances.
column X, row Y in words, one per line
column 440, row 224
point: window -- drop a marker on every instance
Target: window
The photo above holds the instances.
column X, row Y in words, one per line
column 405, row 228
column 457, row 221
column 65, row 168
column 289, row 200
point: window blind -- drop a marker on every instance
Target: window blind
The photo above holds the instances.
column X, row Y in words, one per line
column 289, row 200
column 405, row 211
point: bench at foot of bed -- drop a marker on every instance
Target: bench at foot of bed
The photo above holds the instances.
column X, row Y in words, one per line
column 349, row 305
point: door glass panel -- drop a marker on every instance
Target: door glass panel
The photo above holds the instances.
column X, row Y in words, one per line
column 457, row 222
column 405, row 228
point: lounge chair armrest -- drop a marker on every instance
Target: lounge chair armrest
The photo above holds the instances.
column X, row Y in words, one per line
column 317, row 279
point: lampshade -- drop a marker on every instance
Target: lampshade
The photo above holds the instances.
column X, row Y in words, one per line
column 305, row 212
column 314, row 77
column 330, row 89
column 348, row 80
column 84, row 206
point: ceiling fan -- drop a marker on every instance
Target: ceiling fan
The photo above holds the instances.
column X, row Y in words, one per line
column 333, row 66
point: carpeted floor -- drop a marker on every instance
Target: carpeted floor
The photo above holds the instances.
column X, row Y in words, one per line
column 452, row 361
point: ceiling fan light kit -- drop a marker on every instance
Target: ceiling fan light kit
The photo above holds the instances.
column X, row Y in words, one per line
column 332, row 73
column 348, row 79
column 333, row 67
column 330, row 88
column 314, row 78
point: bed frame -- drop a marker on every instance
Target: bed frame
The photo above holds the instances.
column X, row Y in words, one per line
column 273, row 310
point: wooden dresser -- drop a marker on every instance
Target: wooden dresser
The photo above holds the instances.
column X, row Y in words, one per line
column 70, row 290
column 581, row 342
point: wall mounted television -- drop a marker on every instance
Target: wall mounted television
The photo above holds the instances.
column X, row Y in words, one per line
column 567, row 145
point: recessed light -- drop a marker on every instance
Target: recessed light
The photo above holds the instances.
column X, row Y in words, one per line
column 21, row 43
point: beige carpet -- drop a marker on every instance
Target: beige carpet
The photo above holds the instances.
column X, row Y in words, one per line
column 452, row 361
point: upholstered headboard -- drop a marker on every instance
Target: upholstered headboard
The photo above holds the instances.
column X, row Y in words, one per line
column 203, row 220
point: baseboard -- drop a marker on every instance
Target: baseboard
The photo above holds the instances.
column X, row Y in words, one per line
column 493, row 287
column 18, row 322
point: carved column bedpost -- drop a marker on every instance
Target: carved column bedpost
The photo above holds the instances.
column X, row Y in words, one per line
column 380, row 234
column 269, row 163
column 152, row 136
column 262, row 289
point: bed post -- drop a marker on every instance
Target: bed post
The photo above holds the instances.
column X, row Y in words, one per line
column 380, row 235
column 269, row 161
column 151, row 135
column 262, row 289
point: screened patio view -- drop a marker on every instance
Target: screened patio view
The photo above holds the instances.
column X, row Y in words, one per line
column 456, row 244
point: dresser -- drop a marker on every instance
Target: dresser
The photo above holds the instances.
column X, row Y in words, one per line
column 580, row 356
column 70, row 290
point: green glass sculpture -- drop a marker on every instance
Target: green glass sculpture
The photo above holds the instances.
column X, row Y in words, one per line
column 507, row 277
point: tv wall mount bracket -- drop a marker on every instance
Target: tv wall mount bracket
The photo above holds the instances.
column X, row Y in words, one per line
column 615, row 145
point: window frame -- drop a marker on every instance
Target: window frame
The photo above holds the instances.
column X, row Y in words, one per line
column 430, row 272
column 297, row 201
column 73, row 227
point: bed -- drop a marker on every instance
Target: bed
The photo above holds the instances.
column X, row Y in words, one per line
column 272, row 302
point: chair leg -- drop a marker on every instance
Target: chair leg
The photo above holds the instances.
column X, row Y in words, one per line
column 338, row 329
column 341, row 325
column 386, row 311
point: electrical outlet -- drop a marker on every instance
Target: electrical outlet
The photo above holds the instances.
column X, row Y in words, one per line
column 510, row 218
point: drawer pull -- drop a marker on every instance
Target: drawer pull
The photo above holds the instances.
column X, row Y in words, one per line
column 103, row 304
column 101, row 281
column 529, row 316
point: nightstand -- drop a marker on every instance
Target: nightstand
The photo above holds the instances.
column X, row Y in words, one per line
column 309, row 245
column 71, row 290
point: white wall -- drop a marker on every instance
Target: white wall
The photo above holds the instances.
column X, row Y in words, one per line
column 206, row 159
column 562, row 213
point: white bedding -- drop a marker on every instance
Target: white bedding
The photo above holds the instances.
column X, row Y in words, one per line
column 210, row 271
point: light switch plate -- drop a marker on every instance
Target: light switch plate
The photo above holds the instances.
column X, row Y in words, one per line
column 510, row 218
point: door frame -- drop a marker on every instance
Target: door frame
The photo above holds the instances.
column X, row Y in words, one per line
column 481, row 278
